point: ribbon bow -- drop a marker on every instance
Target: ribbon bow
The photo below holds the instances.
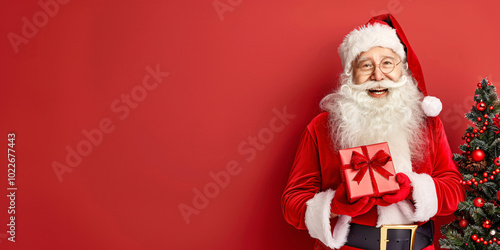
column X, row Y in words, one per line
column 362, row 162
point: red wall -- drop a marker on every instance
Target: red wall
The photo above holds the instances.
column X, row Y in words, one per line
column 175, row 95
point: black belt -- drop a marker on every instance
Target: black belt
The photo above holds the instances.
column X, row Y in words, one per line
column 398, row 237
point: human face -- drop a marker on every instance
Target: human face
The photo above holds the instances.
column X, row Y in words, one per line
column 377, row 55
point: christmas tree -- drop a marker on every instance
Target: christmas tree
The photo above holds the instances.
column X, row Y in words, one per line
column 477, row 223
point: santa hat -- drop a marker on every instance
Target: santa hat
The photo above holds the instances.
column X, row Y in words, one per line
column 384, row 31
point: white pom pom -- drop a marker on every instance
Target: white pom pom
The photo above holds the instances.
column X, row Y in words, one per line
column 432, row 106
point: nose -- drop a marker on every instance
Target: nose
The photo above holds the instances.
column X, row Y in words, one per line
column 377, row 75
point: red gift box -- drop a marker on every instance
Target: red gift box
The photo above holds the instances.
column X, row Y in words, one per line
column 368, row 171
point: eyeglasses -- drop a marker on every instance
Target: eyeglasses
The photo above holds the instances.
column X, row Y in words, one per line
column 387, row 65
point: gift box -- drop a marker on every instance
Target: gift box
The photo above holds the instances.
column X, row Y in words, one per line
column 368, row 171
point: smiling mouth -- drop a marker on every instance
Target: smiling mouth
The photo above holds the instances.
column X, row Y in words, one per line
column 378, row 91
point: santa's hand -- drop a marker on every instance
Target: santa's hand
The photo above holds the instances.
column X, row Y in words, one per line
column 340, row 204
column 404, row 191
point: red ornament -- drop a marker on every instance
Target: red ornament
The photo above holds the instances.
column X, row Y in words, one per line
column 479, row 119
column 497, row 161
column 486, row 123
column 487, row 223
column 478, row 155
column 474, row 131
column 491, row 107
column 485, row 174
column 492, row 177
column 463, row 223
column 478, row 202
column 496, row 122
column 481, row 131
column 479, row 84
column 484, row 127
column 485, row 116
column 481, row 106
column 474, row 237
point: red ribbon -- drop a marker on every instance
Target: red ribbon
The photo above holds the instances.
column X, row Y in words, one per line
column 363, row 163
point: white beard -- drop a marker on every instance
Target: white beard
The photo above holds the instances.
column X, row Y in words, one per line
column 357, row 119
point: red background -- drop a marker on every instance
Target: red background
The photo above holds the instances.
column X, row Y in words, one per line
column 226, row 75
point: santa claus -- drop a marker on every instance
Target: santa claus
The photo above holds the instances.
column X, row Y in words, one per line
column 382, row 98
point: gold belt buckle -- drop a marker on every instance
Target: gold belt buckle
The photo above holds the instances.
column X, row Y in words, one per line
column 383, row 234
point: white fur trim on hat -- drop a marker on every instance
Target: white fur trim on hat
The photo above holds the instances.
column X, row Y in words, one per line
column 317, row 220
column 366, row 37
column 432, row 106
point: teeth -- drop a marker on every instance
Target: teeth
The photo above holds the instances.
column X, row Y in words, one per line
column 378, row 91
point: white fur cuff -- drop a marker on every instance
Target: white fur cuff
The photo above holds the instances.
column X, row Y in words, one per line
column 425, row 197
column 432, row 106
column 317, row 219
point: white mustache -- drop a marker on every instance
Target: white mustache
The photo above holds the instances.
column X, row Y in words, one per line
column 383, row 84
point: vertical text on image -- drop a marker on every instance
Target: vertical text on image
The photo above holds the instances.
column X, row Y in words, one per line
column 12, row 187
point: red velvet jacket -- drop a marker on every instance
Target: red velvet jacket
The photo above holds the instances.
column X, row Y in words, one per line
column 315, row 176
